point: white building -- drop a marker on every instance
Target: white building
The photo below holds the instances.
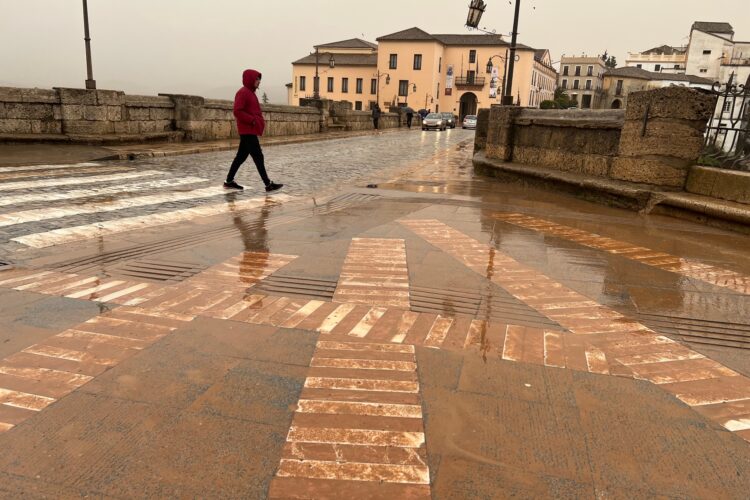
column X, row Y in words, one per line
column 664, row 59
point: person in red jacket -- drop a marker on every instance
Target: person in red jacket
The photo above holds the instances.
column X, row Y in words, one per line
column 250, row 125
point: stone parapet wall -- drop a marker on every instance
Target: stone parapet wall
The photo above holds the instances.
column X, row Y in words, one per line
column 65, row 114
column 654, row 141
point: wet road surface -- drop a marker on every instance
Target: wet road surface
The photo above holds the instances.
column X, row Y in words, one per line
column 440, row 335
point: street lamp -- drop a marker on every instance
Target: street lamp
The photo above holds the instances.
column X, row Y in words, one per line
column 380, row 75
column 505, row 70
column 476, row 9
column 90, row 82
column 316, row 81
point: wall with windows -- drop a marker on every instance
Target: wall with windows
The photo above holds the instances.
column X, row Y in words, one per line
column 704, row 55
column 416, row 63
column 343, row 78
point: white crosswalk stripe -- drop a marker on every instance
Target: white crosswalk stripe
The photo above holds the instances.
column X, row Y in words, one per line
column 88, row 193
column 47, row 167
column 71, row 181
column 10, row 219
column 77, row 233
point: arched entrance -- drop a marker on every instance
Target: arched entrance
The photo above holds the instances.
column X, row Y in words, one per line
column 616, row 104
column 468, row 106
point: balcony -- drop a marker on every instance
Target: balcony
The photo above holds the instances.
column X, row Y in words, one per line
column 470, row 81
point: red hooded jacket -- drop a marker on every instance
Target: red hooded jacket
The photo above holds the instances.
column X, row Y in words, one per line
column 247, row 110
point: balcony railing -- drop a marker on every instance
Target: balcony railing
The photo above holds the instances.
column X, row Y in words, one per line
column 470, row 81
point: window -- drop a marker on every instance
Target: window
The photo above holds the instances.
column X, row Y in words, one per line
column 618, row 90
column 393, row 63
column 578, row 71
column 576, row 84
column 727, row 106
column 358, row 105
column 403, row 87
column 374, row 86
column 704, row 70
column 440, row 65
column 588, row 84
column 640, row 66
column 657, row 67
column 344, row 85
column 470, row 77
column 565, row 84
column 676, row 66
column 359, row 85
column 565, row 70
column 590, row 71
column 437, row 94
column 302, row 83
column 472, row 56
column 330, row 84
column 586, row 102
column 417, row 61
column 706, row 52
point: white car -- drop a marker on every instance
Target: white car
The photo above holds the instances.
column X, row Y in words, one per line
column 470, row 121
column 434, row 120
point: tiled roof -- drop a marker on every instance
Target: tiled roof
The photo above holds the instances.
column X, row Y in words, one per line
column 666, row 50
column 708, row 27
column 352, row 43
column 342, row 59
column 410, row 34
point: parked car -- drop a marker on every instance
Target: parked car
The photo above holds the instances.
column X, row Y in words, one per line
column 450, row 119
column 470, row 121
column 434, row 120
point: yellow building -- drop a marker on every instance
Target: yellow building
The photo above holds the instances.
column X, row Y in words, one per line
column 447, row 73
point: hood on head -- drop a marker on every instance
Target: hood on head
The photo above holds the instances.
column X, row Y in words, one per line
column 249, row 77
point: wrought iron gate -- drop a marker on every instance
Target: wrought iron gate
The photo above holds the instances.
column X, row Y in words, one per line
column 727, row 141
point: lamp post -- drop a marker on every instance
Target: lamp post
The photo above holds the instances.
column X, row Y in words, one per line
column 90, row 82
column 380, row 75
column 476, row 9
column 316, row 81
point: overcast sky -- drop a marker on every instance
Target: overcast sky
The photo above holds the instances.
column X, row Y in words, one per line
column 201, row 46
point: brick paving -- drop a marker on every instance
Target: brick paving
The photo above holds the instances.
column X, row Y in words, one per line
column 357, row 393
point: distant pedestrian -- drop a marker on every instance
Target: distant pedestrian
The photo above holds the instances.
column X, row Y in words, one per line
column 375, row 116
column 250, row 125
column 409, row 116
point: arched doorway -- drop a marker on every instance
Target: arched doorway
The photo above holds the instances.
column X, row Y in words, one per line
column 616, row 104
column 468, row 106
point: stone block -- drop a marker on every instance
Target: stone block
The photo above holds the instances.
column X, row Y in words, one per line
column 114, row 113
column 669, row 138
column 14, row 126
column 71, row 112
column 221, row 129
column 46, row 127
column 725, row 184
column 46, row 96
column 137, row 114
column 148, row 127
column 11, row 94
column 124, row 128
column 161, row 113
column 98, row 113
column 27, row 111
column 110, row 97
column 675, row 102
column 656, row 171
column 57, row 112
column 76, row 96
column 88, row 127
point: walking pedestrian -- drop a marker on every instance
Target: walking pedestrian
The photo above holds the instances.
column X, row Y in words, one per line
column 409, row 116
column 250, row 125
column 375, row 116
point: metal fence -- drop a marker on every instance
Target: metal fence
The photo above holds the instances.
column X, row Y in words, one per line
column 727, row 140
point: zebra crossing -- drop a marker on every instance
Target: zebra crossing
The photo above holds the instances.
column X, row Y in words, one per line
column 47, row 205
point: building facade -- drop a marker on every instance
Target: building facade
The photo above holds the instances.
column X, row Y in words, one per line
column 583, row 79
column 664, row 59
column 442, row 73
column 620, row 82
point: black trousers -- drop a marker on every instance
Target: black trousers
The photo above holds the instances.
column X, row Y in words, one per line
column 249, row 146
column 375, row 123
column 408, row 120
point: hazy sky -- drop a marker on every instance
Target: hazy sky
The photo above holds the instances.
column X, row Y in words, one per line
column 202, row 46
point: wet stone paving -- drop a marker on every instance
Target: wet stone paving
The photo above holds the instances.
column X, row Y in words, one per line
column 434, row 335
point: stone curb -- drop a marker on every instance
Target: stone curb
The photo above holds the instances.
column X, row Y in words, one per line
column 639, row 197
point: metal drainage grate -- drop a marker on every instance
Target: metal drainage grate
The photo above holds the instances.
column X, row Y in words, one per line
column 297, row 286
column 157, row 270
column 500, row 306
column 700, row 331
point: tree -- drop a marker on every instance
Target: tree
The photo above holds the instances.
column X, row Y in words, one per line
column 265, row 98
column 562, row 99
column 611, row 62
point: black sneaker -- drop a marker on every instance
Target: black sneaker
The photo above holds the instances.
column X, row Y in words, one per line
column 273, row 187
column 233, row 185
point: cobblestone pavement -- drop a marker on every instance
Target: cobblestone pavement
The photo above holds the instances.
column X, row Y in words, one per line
column 438, row 335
